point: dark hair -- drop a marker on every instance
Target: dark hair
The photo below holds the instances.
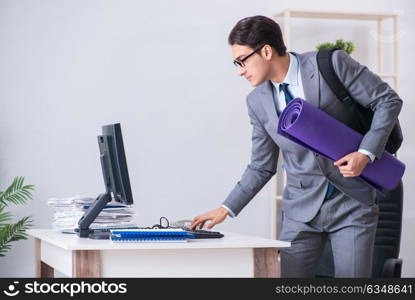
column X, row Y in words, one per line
column 257, row 30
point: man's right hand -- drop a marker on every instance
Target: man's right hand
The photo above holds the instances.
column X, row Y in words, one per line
column 216, row 216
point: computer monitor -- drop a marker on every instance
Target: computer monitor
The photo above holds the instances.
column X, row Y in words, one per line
column 115, row 173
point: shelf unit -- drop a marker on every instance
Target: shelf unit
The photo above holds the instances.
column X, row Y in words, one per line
column 284, row 19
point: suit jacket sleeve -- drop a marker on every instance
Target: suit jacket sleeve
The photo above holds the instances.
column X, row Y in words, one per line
column 372, row 92
column 263, row 165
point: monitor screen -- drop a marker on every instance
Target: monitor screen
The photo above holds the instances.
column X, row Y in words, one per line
column 114, row 164
column 116, row 179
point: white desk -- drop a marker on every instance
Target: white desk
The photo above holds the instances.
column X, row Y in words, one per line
column 234, row 255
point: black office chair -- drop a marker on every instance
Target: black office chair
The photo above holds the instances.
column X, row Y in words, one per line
column 386, row 261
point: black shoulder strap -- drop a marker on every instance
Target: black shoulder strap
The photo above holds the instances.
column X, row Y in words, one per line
column 325, row 66
column 364, row 116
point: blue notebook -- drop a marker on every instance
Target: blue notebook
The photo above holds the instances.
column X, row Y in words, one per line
column 150, row 235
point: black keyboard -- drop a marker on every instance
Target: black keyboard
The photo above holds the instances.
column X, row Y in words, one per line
column 205, row 234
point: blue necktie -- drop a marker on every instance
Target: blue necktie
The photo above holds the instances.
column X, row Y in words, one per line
column 287, row 94
column 288, row 97
column 330, row 189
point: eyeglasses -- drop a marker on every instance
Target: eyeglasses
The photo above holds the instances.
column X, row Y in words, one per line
column 241, row 63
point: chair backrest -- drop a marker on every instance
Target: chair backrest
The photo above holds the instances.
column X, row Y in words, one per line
column 389, row 228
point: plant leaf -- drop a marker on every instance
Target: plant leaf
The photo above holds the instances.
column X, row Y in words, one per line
column 5, row 217
column 16, row 193
column 347, row 46
column 13, row 232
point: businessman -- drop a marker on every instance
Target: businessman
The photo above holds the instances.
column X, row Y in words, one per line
column 323, row 200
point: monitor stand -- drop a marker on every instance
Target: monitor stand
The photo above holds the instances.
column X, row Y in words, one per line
column 90, row 215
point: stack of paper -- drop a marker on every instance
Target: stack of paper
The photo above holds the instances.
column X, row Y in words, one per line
column 68, row 211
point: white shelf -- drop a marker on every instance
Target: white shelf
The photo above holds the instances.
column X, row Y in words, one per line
column 342, row 15
column 388, row 75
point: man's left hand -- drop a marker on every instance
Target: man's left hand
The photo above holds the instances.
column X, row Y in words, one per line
column 352, row 164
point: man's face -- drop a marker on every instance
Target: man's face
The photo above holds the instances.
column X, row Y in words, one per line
column 256, row 67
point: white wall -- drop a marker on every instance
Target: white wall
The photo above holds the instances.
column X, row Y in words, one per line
column 163, row 69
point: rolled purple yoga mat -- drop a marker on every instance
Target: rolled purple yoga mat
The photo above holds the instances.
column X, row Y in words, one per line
column 305, row 124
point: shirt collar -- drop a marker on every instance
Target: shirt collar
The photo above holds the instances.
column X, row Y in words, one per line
column 292, row 74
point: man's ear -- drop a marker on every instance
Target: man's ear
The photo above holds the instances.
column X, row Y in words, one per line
column 267, row 52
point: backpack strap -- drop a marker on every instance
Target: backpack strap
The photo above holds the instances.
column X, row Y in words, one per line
column 364, row 115
column 325, row 66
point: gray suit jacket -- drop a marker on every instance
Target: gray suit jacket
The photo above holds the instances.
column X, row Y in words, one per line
column 308, row 173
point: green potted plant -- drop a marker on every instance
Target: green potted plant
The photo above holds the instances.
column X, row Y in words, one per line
column 16, row 193
column 347, row 46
